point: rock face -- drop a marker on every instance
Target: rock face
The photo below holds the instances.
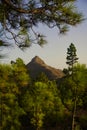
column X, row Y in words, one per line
column 37, row 65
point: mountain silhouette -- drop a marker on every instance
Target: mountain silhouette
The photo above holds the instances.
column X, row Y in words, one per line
column 37, row 66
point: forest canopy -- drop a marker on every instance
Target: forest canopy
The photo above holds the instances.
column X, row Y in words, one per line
column 42, row 104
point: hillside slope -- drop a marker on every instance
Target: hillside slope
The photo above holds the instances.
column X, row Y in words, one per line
column 37, row 65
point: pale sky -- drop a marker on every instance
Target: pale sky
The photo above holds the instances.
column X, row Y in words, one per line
column 54, row 53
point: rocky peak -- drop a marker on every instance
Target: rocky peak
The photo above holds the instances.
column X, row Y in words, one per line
column 37, row 66
column 38, row 60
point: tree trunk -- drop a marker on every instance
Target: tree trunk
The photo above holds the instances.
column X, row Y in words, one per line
column 74, row 111
column 74, row 114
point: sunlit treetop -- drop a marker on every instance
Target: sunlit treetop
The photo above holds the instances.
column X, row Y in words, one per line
column 18, row 19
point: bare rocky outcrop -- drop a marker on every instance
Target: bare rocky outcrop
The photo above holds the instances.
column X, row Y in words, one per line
column 37, row 65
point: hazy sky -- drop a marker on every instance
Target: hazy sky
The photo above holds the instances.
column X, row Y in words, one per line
column 54, row 53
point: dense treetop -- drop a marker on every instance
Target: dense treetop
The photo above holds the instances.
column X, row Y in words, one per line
column 42, row 104
column 19, row 17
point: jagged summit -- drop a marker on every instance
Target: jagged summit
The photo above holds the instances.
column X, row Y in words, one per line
column 37, row 65
column 38, row 60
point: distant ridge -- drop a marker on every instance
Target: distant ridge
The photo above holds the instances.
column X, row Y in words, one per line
column 37, row 65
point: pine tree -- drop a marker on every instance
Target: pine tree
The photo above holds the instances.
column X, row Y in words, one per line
column 71, row 60
column 71, row 57
column 18, row 19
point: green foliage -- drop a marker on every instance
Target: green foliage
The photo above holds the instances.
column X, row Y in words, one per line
column 80, row 77
column 20, row 74
column 18, row 19
column 71, row 57
column 10, row 110
column 73, row 92
column 83, row 120
column 41, row 104
column 76, row 74
column 41, row 100
column 68, row 85
column 42, row 78
column 67, row 92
